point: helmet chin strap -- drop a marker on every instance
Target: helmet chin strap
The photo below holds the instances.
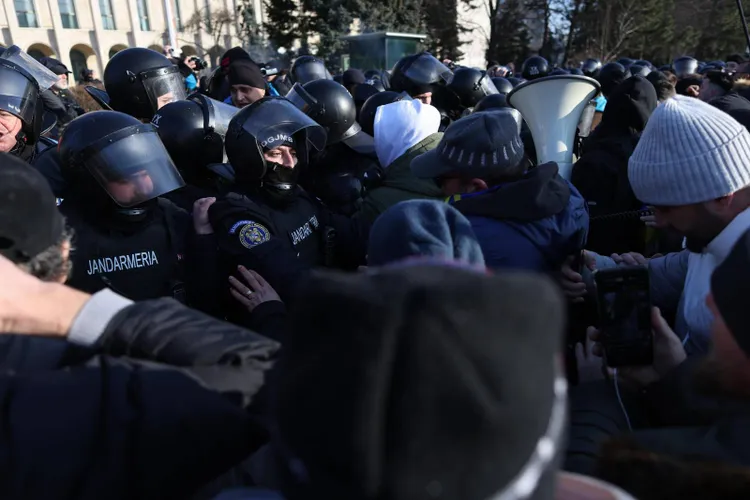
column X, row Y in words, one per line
column 20, row 144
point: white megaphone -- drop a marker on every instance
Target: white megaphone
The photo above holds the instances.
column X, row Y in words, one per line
column 552, row 107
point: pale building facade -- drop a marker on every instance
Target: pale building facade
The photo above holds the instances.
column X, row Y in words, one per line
column 86, row 33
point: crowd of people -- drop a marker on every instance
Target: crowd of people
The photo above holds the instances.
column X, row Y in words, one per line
column 285, row 284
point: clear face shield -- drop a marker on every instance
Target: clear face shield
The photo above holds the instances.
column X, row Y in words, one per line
column 132, row 166
column 486, row 86
column 163, row 85
column 427, row 70
column 43, row 76
column 276, row 123
column 216, row 118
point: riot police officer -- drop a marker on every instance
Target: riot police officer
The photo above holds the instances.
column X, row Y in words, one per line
column 193, row 132
column 126, row 237
column 535, row 67
column 684, row 66
column 268, row 144
column 306, row 69
column 422, row 76
column 348, row 165
column 22, row 79
column 469, row 86
column 139, row 81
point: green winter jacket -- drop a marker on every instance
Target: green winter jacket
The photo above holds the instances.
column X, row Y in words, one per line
column 400, row 184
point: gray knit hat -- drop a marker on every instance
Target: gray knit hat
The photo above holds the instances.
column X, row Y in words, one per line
column 690, row 152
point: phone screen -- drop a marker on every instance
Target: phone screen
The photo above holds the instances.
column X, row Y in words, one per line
column 626, row 312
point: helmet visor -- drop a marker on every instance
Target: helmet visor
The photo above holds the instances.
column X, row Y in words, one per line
column 219, row 115
column 685, row 67
column 164, row 85
column 276, row 121
column 302, row 99
column 308, row 72
column 18, row 96
column 486, row 86
column 135, row 168
column 43, row 76
column 426, row 70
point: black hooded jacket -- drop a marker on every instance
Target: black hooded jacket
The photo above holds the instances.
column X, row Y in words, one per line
column 601, row 175
column 735, row 105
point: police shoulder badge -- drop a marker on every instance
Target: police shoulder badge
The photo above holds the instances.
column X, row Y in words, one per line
column 253, row 234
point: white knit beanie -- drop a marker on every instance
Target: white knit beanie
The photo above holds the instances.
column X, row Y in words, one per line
column 690, row 152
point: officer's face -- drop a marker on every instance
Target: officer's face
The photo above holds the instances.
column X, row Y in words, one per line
column 10, row 126
column 425, row 98
column 283, row 155
column 244, row 95
column 131, row 190
column 165, row 99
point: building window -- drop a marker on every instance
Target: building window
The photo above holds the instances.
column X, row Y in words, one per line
column 143, row 15
column 78, row 61
column 68, row 14
column 36, row 54
column 177, row 15
column 25, row 13
column 108, row 17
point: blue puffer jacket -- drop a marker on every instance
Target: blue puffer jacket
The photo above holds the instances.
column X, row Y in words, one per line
column 533, row 223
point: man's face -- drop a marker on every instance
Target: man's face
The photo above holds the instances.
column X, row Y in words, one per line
column 127, row 191
column 425, row 98
column 283, row 155
column 10, row 126
column 165, row 99
column 62, row 82
column 696, row 222
column 244, row 95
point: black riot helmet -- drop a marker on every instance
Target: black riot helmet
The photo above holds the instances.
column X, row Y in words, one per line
column 306, row 69
column 494, row 101
column 645, row 63
column 591, row 67
column 139, row 81
column 638, row 70
column 610, row 76
column 371, row 105
column 576, row 71
column 111, row 160
column 265, row 125
column 193, row 132
column 22, row 78
column 535, row 67
column 559, row 71
column 626, row 62
column 684, row 66
column 515, row 81
column 471, row 86
column 330, row 105
column 419, row 73
column 502, row 85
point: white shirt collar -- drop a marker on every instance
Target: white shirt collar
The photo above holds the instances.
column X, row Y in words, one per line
column 725, row 241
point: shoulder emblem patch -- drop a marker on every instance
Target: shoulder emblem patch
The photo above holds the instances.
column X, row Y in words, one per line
column 253, row 234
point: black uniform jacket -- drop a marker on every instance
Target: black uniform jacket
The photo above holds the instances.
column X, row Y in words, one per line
column 281, row 242
column 139, row 261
